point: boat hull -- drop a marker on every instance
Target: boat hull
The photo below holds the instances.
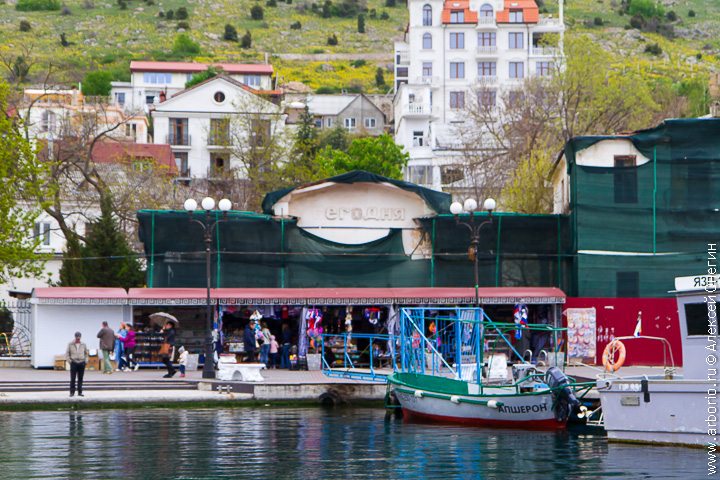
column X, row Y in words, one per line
column 523, row 411
column 672, row 412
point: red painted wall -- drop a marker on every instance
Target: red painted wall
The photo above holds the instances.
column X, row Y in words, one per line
column 618, row 317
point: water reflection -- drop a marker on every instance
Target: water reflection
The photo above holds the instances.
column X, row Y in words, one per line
column 308, row 444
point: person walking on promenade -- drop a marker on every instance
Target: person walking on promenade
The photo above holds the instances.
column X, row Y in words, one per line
column 120, row 347
column 285, row 351
column 249, row 342
column 265, row 347
column 129, row 345
column 167, row 349
column 107, row 343
column 182, row 360
column 77, row 355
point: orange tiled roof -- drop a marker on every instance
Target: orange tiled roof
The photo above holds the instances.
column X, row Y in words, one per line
column 529, row 8
column 452, row 6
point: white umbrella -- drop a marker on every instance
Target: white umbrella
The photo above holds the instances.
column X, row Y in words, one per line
column 163, row 317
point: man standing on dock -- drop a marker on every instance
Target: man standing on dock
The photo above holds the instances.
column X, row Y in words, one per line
column 77, row 355
column 107, row 345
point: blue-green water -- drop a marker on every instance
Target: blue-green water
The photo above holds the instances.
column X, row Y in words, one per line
column 303, row 443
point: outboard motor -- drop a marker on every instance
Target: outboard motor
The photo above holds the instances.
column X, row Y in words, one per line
column 565, row 399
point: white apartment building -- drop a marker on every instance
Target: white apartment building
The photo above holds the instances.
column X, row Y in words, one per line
column 452, row 49
column 206, row 124
column 153, row 82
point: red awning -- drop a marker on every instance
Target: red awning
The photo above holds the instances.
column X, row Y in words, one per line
column 79, row 292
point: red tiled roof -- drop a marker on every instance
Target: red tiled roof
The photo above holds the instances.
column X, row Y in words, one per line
column 189, row 67
column 529, row 8
column 452, row 6
column 112, row 152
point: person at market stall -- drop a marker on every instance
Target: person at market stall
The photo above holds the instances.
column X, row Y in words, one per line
column 273, row 352
column 286, row 344
column 167, row 352
column 77, row 355
column 249, row 342
column 120, row 347
column 129, row 344
column 107, row 343
column 265, row 345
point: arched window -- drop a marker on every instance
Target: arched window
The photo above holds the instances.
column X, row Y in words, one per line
column 427, row 16
column 486, row 10
column 427, row 41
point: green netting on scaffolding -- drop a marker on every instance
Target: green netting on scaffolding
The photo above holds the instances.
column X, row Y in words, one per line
column 636, row 227
column 261, row 251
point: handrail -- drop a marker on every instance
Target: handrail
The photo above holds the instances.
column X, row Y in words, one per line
column 667, row 349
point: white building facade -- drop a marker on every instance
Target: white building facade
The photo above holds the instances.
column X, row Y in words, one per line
column 453, row 50
column 153, row 82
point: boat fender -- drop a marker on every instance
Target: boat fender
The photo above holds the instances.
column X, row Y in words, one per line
column 644, row 388
column 492, row 404
column 418, row 393
column 454, row 399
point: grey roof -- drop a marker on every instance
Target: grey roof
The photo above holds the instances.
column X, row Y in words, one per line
column 328, row 104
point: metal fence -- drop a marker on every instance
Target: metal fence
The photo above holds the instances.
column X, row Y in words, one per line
column 15, row 328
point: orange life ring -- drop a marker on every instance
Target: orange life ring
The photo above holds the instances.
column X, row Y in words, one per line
column 608, row 356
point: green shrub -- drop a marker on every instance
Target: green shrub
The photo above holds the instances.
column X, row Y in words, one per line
column 598, row 21
column 326, row 90
column 63, row 40
column 332, row 40
column 691, row 13
column 295, row 26
column 97, row 83
column 637, row 21
column 358, row 63
column 271, row 3
column 170, row 15
column 246, row 40
column 181, row 14
column 390, row 3
column 257, row 12
column 361, row 24
column 379, row 77
column 646, row 8
column 230, row 33
column 653, row 49
column 65, row 10
column 161, row 14
column 183, row 25
column 184, row 46
column 671, row 16
column 384, row 16
column 25, row 26
column 122, row 4
column 37, row 5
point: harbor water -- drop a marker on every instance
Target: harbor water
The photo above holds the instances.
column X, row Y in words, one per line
column 307, row 443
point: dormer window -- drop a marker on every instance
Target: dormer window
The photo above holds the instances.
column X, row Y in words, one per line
column 486, row 10
column 457, row 16
column 516, row 16
column 427, row 16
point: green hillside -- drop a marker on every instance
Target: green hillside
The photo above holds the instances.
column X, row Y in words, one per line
column 101, row 35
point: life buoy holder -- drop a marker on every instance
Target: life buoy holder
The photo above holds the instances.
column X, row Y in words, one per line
column 608, row 356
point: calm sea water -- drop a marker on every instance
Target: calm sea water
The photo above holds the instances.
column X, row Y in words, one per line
column 273, row 443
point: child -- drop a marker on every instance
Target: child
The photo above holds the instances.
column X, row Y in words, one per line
column 273, row 352
column 182, row 360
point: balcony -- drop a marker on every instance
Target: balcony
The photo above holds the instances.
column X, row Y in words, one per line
column 219, row 141
column 550, row 22
column 403, row 58
column 178, row 140
column 487, row 21
column 184, row 173
column 427, row 80
column 416, row 109
column 545, row 51
column 487, row 51
column 487, row 80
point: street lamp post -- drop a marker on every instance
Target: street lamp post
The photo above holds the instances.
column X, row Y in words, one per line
column 470, row 206
column 208, row 226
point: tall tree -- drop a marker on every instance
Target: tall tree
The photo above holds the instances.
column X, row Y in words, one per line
column 301, row 167
column 108, row 259
column 380, row 155
column 20, row 171
column 72, row 273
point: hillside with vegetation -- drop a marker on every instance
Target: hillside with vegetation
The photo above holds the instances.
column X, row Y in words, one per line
column 674, row 42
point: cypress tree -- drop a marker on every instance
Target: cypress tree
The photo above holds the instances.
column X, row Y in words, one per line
column 71, row 271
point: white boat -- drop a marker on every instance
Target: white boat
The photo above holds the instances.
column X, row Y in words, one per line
column 671, row 409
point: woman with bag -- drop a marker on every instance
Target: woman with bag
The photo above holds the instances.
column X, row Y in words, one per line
column 264, row 340
column 167, row 349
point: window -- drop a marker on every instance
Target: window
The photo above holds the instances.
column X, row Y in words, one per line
column 42, row 231
column 457, row 16
column 418, row 139
column 218, row 165
column 487, row 98
column 427, row 69
column 188, row 77
column 157, row 78
column 150, row 98
column 517, row 70
column 627, row 284
column 370, row 122
column 350, row 123
column 516, row 16
column 451, row 173
column 487, row 69
column 457, row 40
column 625, row 179
column 457, row 100
column 486, row 11
column 48, row 121
column 219, row 97
column 219, row 131
column 131, row 130
column 457, row 69
column 427, row 16
column 427, row 41
column 329, row 122
column 487, row 39
column 696, row 318
column 516, row 40
column 252, row 80
column 542, row 69
column 514, row 97
column 178, row 132
column 120, row 98
column 181, row 162
column 318, row 122
column 260, row 133
column 420, row 175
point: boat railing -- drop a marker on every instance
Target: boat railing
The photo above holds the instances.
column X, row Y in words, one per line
column 355, row 362
column 669, row 370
